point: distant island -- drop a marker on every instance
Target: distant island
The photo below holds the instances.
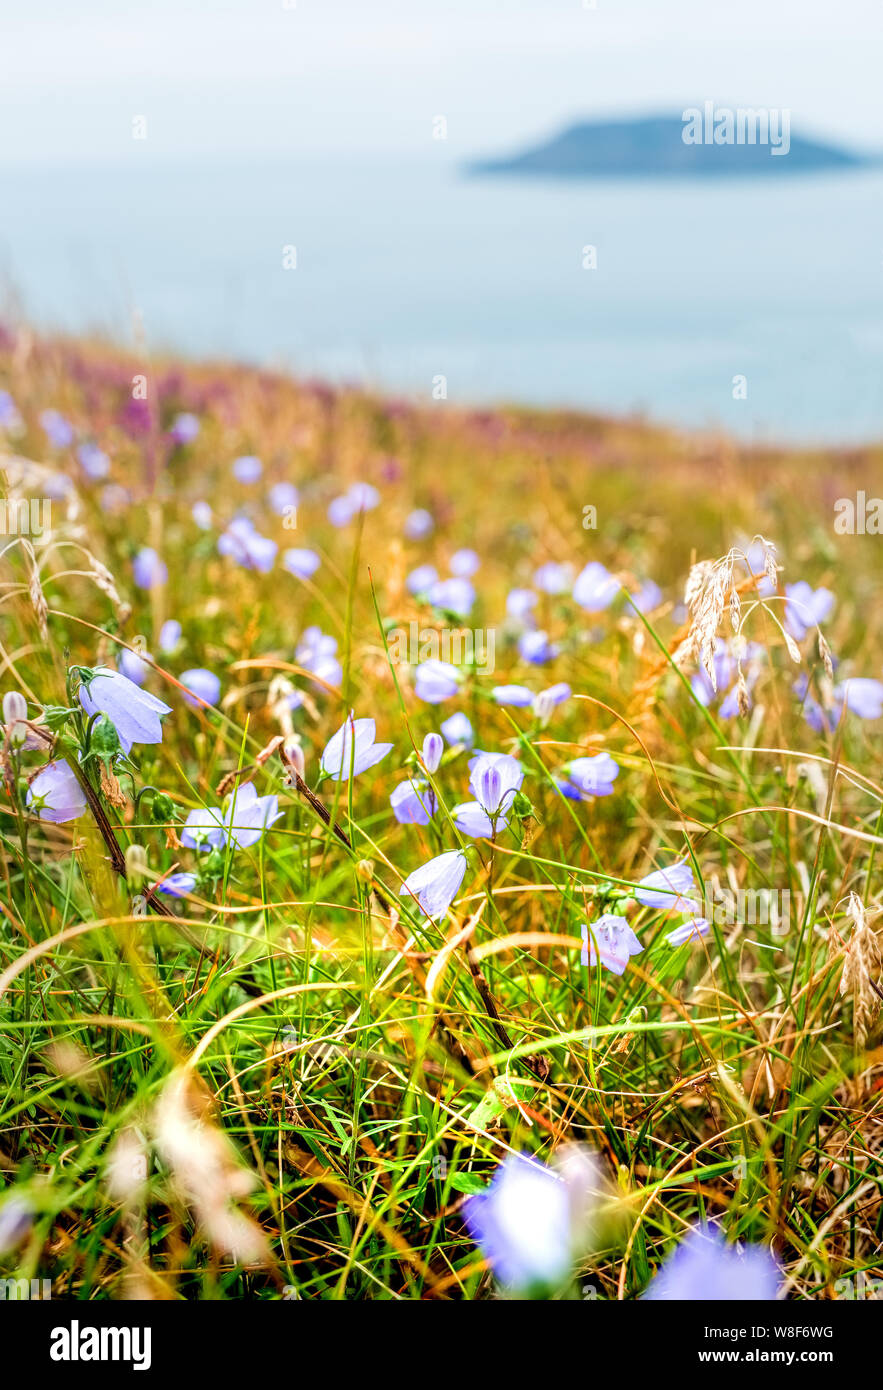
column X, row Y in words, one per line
column 705, row 142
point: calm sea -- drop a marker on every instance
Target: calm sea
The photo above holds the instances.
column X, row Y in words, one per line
column 407, row 273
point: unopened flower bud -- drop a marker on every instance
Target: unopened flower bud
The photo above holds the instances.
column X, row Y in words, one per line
column 433, row 747
column 136, row 864
column 293, row 753
column 15, row 707
column 162, row 808
column 104, row 739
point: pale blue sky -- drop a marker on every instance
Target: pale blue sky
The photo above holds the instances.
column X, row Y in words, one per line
column 231, row 77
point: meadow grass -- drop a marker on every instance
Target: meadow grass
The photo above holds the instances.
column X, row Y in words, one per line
column 285, row 1083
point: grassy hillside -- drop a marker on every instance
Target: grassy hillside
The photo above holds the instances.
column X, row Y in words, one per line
column 287, row 1078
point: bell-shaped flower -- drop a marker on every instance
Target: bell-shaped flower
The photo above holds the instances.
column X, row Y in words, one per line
column 248, row 815
column 692, row 930
column 177, row 885
column 520, row 602
column 55, row 794
column 316, row 652
column 421, row 579
column 465, row 563
column 204, row 829
column 454, row 595
column 534, row 646
column 134, row 713
column 667, row 889
column 149, row 570
column 247, row 468
column 591, row 776
column 244, row 544
column 433, row 748
column 532, row 1223
column 169, row 635
column 472, row 819
column 419, row 524
column 413, row 802
column 610, row 939
column 861, row 695
column 553, row 578
column 436, row 883
column 352, row 750
column 495, row 778
column 301, row 562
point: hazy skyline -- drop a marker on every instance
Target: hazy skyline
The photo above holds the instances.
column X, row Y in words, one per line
column 254, row 77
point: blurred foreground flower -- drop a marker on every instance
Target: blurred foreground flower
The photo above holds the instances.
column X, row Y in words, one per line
column 705, row 1267
column 533, row 1223
column 205, row 1170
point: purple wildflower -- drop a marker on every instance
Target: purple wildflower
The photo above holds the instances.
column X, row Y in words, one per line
column 247, row 469
column 457, row 729
column 436, row 883
column 419, row 524
column 248, row 815
column 592, row 776
column 93, row 461
column 595, row 588
column 58, row 430
column 433, row 748
column 316, row 652
column 517, row 695
column 185, row 428
column 665, row 888
column 611, row 938
column 553, row 578
column 301, row 563
column 421, row 579
column 435, row 681
column 55, row 794
column 465, row 563
column 704, row 1267
column 169, row 635
column 413, row 802
column 453, row 595
column 352, row 750
column 205, row 687
column 283, row 498
column 244, row 544
column 135, row 714
column 149, row 570
column 805, row 608
column 177, row 885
